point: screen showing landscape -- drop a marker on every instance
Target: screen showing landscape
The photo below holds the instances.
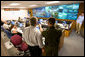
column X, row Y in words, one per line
column 69, row 11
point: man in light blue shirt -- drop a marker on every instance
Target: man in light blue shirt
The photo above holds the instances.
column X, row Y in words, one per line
column 79, row 22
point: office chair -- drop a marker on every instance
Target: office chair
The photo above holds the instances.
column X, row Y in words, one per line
column 21, row 46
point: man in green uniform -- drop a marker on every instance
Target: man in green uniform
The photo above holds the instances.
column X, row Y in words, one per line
column 52, row 38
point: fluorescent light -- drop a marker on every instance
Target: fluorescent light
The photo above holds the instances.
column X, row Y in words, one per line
column 52, row 2
column 14, row 4
column 32, row 5
column 13, row 7
column 6, row 7
column 21, row 7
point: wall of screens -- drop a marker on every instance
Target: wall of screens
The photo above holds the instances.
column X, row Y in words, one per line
column 69, row 11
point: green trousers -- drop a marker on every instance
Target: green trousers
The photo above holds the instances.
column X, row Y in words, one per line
column 51, row 51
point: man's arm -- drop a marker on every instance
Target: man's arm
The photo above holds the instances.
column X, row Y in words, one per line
column 41, row 29
column 40, row 42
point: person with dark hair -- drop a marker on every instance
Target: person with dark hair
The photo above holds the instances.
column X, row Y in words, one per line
column 9, row 34
column 79, row 22
column 33, row 38
column 5, row 28
column 52, row 38
column 16, row 30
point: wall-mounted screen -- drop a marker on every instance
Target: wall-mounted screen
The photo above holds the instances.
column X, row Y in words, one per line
column 68, row 11
column 39, row 12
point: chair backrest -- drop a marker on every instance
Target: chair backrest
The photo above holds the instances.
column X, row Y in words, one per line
column 24, row 46
column 16, row 40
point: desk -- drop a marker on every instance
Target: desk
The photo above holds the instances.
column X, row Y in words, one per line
column 61, row 40
column 68, row 28
column 19, row 30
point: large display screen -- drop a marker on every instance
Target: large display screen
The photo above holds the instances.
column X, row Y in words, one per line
column 68, row 11
column 39, row 12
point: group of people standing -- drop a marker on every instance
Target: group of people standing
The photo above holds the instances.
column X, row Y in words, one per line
column 33, row 37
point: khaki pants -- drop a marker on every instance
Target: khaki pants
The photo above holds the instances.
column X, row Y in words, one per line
column 78, row 27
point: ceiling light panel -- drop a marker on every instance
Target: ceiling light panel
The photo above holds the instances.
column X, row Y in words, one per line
column 52, row 2
column 14, row 4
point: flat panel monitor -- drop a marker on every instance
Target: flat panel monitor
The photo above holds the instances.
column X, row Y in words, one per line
column 56, row 22
column 12, row 22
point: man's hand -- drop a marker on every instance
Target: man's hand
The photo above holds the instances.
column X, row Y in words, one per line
column 40, row 28
column 39, row 25
column 43, row 50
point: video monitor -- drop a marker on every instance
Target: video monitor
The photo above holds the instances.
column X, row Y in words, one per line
column 60, row 10
column 64, row 22
column 69, row 6
column 41, row 20
column 76, row 6
column 62, row 15
column 20, row 25
column 72, row 16
column 39, row 12
column 65, row 10
column 57, row 11
column 48, row 12
column 75, row 10
column 70, row 10
column 60, row 7
column 56, row 22
column 12, row 22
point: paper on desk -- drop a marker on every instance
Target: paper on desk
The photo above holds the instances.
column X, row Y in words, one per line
column 7, row 45
column 61, row 25
column 19, row 30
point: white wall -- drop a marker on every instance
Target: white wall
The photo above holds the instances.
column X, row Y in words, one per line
column 13, row 15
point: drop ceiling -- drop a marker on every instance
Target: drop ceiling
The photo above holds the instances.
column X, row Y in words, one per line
column 25, row 4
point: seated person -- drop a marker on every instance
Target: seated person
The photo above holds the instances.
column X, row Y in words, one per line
column 9, row 34
column 5, row 25
column 16, row 40
column 16, row 30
